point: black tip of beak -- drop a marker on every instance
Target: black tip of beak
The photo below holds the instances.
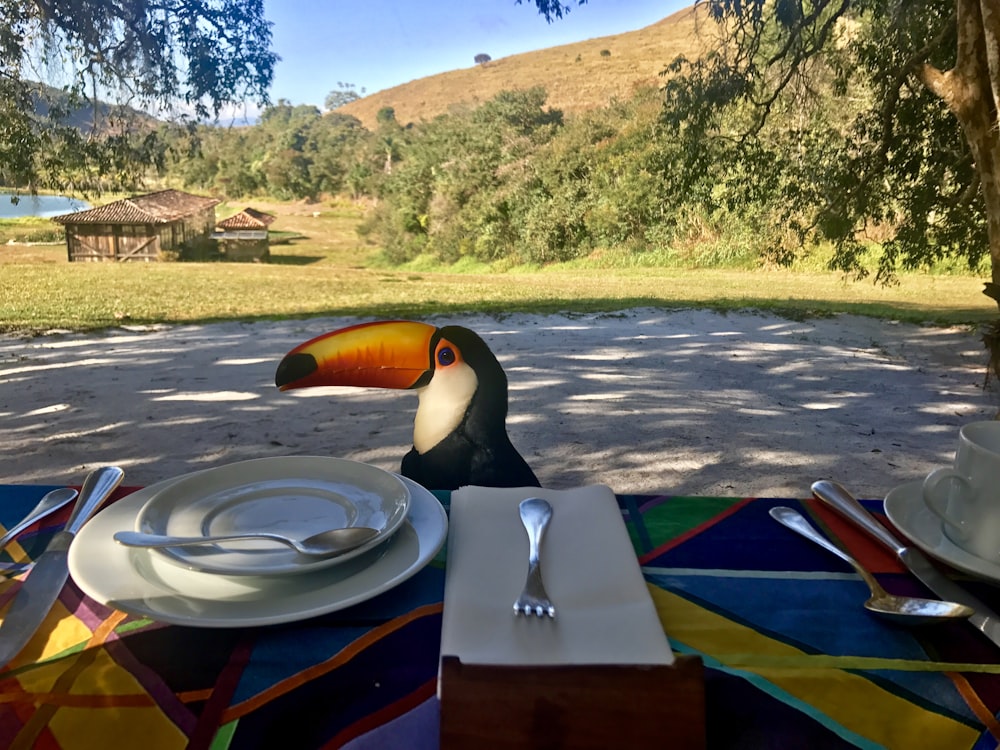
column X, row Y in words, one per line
column 294, row 367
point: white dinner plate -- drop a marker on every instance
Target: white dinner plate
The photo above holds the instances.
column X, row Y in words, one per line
column 141, row 582
column 906, row 509
column 291, row 495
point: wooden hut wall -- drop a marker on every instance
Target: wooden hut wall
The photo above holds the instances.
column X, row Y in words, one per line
column 103, row 242
column 190, row 228
column 206, row 221
column 124, row 242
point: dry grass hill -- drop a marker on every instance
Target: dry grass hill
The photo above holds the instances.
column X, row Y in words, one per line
column 577, row 76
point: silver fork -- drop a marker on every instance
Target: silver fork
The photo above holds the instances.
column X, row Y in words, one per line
column 535, row 515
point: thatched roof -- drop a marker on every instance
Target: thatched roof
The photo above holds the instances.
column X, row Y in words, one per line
column 162, row 207
column 248, row 218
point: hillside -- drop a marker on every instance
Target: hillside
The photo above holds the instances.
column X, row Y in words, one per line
column 110, row 117
column 577, row 76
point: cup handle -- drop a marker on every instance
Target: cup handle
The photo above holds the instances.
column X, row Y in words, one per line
column 936, row 502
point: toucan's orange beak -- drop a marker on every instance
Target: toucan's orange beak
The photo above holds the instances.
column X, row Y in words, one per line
column 389, row 354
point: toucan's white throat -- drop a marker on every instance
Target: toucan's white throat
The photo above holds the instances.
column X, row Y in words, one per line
column 443, row 404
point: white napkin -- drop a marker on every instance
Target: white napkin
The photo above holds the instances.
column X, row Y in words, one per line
column 604, row 613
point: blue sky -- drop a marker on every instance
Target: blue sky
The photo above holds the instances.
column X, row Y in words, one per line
column 377, row 44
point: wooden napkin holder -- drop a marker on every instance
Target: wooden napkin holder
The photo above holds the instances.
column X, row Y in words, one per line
column 572, row 706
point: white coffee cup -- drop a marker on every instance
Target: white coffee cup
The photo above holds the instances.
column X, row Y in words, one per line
column 967, row 495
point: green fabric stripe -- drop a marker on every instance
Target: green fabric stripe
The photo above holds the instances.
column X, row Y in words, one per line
column 224, row 736
column 678, row 515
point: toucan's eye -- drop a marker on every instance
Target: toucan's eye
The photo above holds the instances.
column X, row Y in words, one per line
column 446, row 356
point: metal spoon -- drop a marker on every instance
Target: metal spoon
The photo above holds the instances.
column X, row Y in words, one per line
column 52, row 502
column 907, row 610
column 324, row 544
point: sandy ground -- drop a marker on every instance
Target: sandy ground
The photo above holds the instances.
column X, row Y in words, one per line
column 687, row 402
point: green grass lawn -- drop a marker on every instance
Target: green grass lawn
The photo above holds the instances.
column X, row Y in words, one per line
column 325, row 269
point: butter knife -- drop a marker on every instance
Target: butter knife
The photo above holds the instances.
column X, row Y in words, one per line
column 844, row 503
column 47, row 577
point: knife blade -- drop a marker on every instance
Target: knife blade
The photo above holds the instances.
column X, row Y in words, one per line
column 40, row 589
column 838, row 498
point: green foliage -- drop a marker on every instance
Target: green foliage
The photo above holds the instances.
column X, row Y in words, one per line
column 29, row 229
column 807, row 135
column 804, row 137
column 385, row 116
column 813, row 120
column 200, row 54
column 345, row 93
column 294, row 152
column 513, row 183
column 551, row 9
column 443, row 196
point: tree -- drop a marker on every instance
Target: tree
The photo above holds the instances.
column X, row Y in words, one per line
column 202, row 55
column 444, row 196
column 551, row 9
column 913, row 147
column 385, row 115
column 482, row 58
column 345, row 93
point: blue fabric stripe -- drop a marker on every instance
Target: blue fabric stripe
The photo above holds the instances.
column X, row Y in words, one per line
column 798, row 610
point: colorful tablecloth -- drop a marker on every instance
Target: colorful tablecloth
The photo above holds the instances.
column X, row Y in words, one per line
column 792, row 659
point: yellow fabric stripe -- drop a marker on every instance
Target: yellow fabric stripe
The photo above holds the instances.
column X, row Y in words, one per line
column 59, row 631
column 850, row 700
column 93, row 701
column 823, row 661
column 15, row 550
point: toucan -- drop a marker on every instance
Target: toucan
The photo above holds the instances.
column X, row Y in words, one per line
column 460, row 431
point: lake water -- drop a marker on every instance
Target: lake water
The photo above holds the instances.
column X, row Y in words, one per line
column 39, row 205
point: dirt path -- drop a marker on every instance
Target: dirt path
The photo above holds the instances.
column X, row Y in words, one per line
column 688, row 402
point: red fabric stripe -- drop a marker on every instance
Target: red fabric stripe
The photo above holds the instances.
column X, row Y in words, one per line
column 862, row 547
column 975, row 702
column 384, row 715
column 211, row 718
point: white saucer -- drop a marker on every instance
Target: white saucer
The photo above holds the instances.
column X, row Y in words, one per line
column 905, row 508
column 141, row 582
column 291, row 495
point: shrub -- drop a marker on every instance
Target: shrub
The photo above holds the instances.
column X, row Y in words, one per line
column 200, row 249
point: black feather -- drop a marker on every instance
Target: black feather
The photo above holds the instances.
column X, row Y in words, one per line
column 479, row 450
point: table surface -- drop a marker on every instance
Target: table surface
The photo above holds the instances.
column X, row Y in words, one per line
column 792, row 660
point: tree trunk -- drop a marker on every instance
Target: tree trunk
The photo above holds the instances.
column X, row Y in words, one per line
column 972, row 90
column 990, row 10
column 990, row 13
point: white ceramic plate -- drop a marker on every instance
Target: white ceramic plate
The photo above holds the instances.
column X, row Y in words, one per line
column 905, row 508
column 141, row 582
column 294, row 495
